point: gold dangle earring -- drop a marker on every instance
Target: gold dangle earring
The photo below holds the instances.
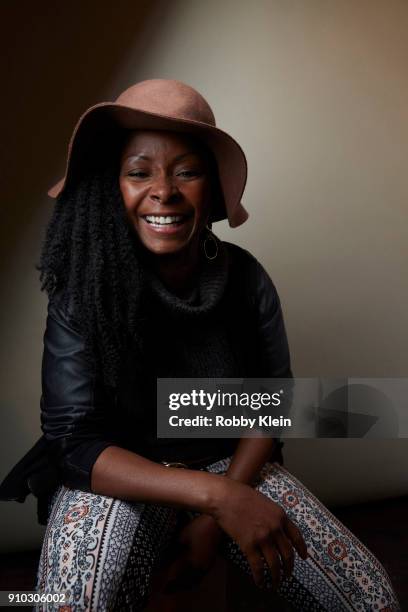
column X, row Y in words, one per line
column 210, row 244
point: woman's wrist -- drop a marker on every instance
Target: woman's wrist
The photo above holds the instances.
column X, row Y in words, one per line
column 220, row 488
column 197, row 490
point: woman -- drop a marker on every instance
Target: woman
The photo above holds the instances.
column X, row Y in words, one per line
column 140, row 288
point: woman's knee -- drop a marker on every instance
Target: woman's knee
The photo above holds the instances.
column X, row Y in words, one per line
column 72, row 544
column 100, row 551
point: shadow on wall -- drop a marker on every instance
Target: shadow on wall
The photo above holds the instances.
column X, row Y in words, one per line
column 58, row 60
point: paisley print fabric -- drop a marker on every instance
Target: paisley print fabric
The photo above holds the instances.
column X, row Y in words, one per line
column 102, row 552
column 340, row 574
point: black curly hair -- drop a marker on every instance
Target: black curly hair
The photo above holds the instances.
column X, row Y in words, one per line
column 93, row 256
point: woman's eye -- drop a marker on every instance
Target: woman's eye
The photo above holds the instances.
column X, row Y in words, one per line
column 189, row 173
column 137, row 173
column 186, row 174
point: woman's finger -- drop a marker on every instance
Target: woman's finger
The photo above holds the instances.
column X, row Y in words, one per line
column 286, row 553
column 272, row 559
column 296, row 538
column 256, row 564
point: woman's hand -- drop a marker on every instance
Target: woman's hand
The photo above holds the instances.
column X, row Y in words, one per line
column 260, row 527
column 196, row 550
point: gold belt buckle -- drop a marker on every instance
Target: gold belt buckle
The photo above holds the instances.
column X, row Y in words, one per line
column 175, row 464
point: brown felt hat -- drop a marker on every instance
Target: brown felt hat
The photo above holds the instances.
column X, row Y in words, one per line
column 162, row 104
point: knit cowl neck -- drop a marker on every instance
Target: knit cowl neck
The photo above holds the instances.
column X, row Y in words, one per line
column 206, row 292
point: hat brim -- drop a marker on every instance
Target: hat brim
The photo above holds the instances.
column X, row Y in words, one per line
column 230, row 158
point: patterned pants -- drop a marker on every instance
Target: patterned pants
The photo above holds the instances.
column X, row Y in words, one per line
column 102, row 552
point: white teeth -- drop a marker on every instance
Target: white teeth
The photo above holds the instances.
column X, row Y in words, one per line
column 164, row 220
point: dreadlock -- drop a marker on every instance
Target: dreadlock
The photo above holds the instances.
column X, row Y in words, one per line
column 89, row 250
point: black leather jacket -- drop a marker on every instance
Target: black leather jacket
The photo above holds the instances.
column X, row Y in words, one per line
column 80, row 417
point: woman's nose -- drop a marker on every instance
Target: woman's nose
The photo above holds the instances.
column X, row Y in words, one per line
column 163, row 189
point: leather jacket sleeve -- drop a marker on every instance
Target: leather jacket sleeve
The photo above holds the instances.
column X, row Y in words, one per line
column 73, row 403
column 274, row 357
column 272, row 338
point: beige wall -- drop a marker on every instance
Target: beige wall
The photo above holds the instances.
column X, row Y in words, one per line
column 317, row 94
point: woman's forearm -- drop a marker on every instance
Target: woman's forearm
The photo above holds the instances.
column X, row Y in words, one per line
column 123, row 474
column 120, row 473
column 249, row 457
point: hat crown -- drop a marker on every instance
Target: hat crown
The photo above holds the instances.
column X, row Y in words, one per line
column 168, row 97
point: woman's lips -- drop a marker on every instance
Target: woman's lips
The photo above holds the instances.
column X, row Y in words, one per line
column 166, row 228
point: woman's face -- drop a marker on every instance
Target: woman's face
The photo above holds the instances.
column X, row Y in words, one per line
column 165, row 184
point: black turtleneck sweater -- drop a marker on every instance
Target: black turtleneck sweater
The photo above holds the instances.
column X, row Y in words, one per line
column 211, row 333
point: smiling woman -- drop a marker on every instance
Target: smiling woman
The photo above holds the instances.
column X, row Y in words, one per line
column 140, row 288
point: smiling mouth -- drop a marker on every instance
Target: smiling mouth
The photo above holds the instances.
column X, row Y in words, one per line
column 165, row 220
